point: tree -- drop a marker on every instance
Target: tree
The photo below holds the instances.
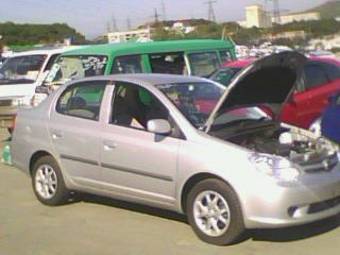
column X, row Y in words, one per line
column 30, row 34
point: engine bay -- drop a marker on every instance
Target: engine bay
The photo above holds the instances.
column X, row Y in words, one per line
column 299, row 146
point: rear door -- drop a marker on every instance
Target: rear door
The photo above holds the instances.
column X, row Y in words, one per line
column 74, row 126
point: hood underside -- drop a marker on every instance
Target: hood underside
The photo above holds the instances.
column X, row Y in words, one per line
column 269, row 81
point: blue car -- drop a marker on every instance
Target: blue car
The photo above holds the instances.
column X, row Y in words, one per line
column 330, row 123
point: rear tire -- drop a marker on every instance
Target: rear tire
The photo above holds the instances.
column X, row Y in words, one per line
column 48, row 182
column 214, row 212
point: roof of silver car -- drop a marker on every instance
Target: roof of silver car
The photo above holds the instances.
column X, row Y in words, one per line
column 151, row 79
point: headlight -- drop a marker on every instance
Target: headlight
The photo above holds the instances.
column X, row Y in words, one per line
column 275, row 166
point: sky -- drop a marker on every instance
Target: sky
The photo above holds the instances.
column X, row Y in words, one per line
column 90, row 17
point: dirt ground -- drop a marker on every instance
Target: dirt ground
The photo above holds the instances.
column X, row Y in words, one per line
column 97, row 225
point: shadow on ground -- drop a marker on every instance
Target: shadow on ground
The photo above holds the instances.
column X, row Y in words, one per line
column 272, row 235
column 296, row 233
column 133, row 207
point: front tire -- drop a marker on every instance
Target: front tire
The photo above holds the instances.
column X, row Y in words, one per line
column 214, row 212
column 48, row 182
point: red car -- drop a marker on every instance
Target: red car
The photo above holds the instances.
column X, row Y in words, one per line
column 321, row 80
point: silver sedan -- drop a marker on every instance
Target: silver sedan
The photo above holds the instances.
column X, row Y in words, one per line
column 184, row 144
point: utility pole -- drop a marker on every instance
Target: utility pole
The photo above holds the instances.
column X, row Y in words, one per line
column 163, row 10
column 114, row 24
column 108, row 27
column 276, row 11
column 211, row 12
column 156, row 16
column 128, row 23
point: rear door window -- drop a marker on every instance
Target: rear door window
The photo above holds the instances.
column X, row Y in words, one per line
column 82, row 100
column 169, row 63
column 203, row 64
column 127, row 64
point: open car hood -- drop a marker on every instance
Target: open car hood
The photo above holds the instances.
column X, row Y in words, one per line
column 267, row 82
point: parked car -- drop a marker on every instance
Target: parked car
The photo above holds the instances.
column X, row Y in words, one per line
column 229, row 169
column 189, row 57
column 19, row 76
column 321, row 78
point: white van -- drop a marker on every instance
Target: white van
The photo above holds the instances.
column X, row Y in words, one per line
column 20, row 74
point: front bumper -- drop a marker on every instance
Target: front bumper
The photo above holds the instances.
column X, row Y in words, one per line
column 313, row 197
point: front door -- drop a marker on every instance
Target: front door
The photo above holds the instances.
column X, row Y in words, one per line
column 135, row 162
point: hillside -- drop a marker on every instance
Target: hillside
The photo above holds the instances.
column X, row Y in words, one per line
column 330, row 9
column 30, row 34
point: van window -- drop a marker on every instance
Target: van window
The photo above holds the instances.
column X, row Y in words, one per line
column 127, row 64
column 76, row 67
column 169, row 63
column 203, row 64
column 51, row 62
column 225, row 56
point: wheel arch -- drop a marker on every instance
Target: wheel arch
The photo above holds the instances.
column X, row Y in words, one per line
column 37, row 155
column 193, row 180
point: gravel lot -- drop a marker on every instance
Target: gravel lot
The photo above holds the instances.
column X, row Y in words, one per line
column 98, row 225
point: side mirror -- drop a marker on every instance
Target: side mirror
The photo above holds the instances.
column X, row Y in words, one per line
column 159, row 127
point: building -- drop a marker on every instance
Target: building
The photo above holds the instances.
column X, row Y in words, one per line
column 303, row 16
column 182, row 27
column 256, row 16
column 140, row 35
column 300, row 34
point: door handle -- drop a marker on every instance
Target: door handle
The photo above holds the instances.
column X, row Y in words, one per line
column 109, row 145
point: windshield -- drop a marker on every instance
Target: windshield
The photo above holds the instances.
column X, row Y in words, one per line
column 23, row 69
column 76, row 67
column 238, row 115
column 225, row 75
column 195, row 101
column 203, row 64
